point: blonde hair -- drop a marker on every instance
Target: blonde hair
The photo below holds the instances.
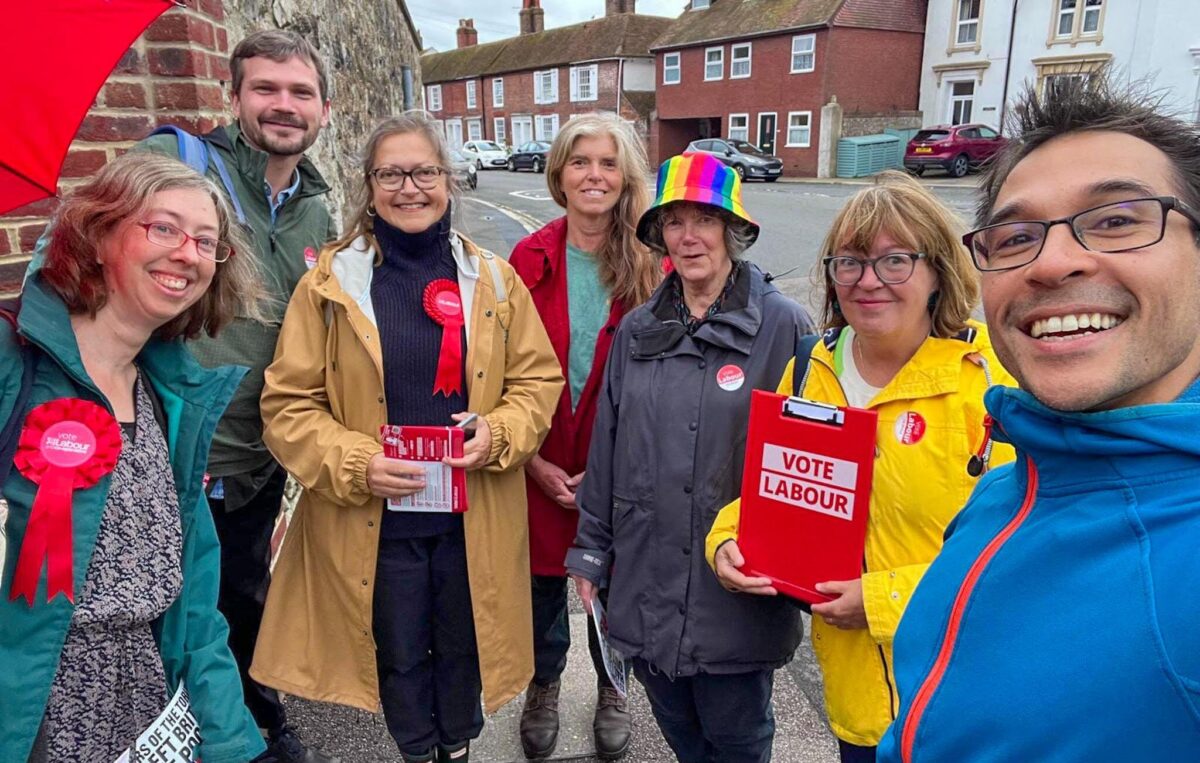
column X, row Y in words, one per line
column 121, row 191
column 904, row 209
column 627, row 267
column 362, row 218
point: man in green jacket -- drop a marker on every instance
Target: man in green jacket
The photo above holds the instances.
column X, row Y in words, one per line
column 280, row 99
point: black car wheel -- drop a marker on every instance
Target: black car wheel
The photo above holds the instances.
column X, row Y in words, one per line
column 512, row 165
column 960, row 165
column 740, row 170
column 537, row 164
column 918, row 171
column 478, row 164
column 473, row 180
column 771, row 179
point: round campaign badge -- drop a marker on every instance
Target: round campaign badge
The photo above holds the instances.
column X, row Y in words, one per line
column 730, row 378
column 67, row 444
column 910, row 428
column 448, row 303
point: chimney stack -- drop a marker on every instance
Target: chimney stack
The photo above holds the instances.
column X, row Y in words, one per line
column 532, row 17
column 614, row 7
column 467, row 36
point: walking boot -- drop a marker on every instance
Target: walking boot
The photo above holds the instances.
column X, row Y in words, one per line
column 459, row 753
column 611, row 727
column 539, row 720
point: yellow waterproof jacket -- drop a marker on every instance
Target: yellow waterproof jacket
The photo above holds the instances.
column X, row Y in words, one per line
column 931, row 418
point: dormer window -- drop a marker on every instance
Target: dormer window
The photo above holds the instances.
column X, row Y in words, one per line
column 699, row 5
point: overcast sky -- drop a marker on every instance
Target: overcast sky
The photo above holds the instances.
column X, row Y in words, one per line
column 496, row 19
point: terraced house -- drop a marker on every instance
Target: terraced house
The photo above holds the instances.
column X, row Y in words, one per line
column 526, row 87
column 760, row 71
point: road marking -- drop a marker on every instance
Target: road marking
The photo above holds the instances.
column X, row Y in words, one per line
column 532, row 195
column 528, row 222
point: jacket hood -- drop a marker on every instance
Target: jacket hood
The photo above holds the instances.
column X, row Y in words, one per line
column 1138, row 431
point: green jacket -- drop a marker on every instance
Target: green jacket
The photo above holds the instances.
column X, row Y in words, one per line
column 192, row 636
column 301, row 223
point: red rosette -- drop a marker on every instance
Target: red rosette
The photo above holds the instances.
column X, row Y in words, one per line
column 443, row 304
column 66, row 445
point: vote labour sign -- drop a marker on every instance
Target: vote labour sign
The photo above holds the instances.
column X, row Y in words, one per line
column 806, row 490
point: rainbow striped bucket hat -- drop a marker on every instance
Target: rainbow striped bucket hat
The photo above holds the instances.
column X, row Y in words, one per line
column 699, row 178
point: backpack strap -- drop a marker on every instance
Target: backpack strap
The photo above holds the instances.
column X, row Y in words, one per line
column 804, row 349
column 503, row 308
column 194, row 152
column 11, row 433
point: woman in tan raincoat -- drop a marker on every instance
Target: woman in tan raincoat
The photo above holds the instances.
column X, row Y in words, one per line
column 356, row 353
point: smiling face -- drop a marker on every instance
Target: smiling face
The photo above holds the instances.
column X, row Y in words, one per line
column 148, row 285
column 591, row 179
column 694, row 235
column 887, row 311
column 279, row 106
column 409, row 208
column 1042, row 316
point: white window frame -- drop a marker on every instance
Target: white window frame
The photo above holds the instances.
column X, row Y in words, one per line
column 454, row 133
column 523, row 123
column 433, row 97
column 593, row 72
column 1059, row 13
column 1078, row 12
column 1099, row 13
column 788, row 138
column 811, row 39
column 498, row 91
column 675, row 67
column 475, row 129
column 545, row 76
column 440, row 126
column 734, row 60
column 720, row 63
column 499, row 130
column 699, row 5
column 539, row 131
column 960, row 23
column 953, row 100
column 745, row 126
column 472, row 100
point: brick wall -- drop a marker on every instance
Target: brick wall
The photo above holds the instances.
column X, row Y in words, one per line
column 173, row 74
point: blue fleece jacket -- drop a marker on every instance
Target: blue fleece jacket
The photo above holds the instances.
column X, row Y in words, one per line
column 1061, row 621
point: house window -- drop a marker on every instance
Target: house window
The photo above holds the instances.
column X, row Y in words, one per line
column 804, row 53
column 454, row 133
column 435, row 98
column 968, row 22
column 547, row 126
column 545, row 86
column 474, row 129
column 498, row 91
column 1078, row 18
column 583, row 82
column 962, row 102
column 739, row 61
column 671, row 69
column 499, row 134
column 1055, row 86
column 522, row 128
column 739, row 127
column 799, row 131
column 714, row 64
column 470, row 94
column 699, row 5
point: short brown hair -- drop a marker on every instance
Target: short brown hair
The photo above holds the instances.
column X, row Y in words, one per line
column 121, row 191
column 903, row 208
column 279, row 45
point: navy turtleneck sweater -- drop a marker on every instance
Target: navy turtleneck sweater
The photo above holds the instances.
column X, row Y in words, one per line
column 411, row 342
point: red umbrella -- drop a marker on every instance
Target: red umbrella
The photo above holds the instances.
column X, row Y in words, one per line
column 58, row 53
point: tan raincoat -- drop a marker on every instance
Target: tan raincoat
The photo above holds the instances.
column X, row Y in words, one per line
column 322, row 409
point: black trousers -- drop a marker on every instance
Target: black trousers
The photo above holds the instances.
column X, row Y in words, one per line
column 552, row 632
column 245, row 536
column 428, row 661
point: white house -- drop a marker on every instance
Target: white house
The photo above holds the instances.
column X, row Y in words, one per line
column 980, row 53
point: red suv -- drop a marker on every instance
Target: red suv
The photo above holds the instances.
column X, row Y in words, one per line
column 954, row 148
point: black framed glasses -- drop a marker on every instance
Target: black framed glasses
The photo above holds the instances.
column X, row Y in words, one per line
column 891, row 269
column 392, row 178
column 1122, row 226
column 167, row 235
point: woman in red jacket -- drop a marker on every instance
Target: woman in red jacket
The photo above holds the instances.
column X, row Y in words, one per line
column 585, row 271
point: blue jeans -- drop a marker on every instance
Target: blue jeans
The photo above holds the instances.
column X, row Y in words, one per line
column 552, row 632
column 710, row 718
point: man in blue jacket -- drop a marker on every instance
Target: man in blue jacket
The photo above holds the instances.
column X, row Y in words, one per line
column 1060, row 621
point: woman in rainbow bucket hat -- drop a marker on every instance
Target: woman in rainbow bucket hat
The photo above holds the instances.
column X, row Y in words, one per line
column 666, row 455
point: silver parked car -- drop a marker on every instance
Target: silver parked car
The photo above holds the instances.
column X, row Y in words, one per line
column 463, row 170
column 748, row 160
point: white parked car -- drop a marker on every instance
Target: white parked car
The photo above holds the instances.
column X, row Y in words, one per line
column 487, row 155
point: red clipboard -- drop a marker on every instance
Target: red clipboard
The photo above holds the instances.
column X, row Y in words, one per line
column 806, row 488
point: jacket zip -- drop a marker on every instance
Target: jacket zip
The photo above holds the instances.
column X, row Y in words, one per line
column 962, row 598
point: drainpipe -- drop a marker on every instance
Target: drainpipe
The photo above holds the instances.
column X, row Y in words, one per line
column 406, row 79
column 1012, row 30
column 620, row 82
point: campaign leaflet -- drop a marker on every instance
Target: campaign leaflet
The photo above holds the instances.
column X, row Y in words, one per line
column 171, row 737
column 615, row 664
column 3, row 536
column 424, row 448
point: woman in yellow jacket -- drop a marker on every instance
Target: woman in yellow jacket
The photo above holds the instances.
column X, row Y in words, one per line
column 899, row 290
